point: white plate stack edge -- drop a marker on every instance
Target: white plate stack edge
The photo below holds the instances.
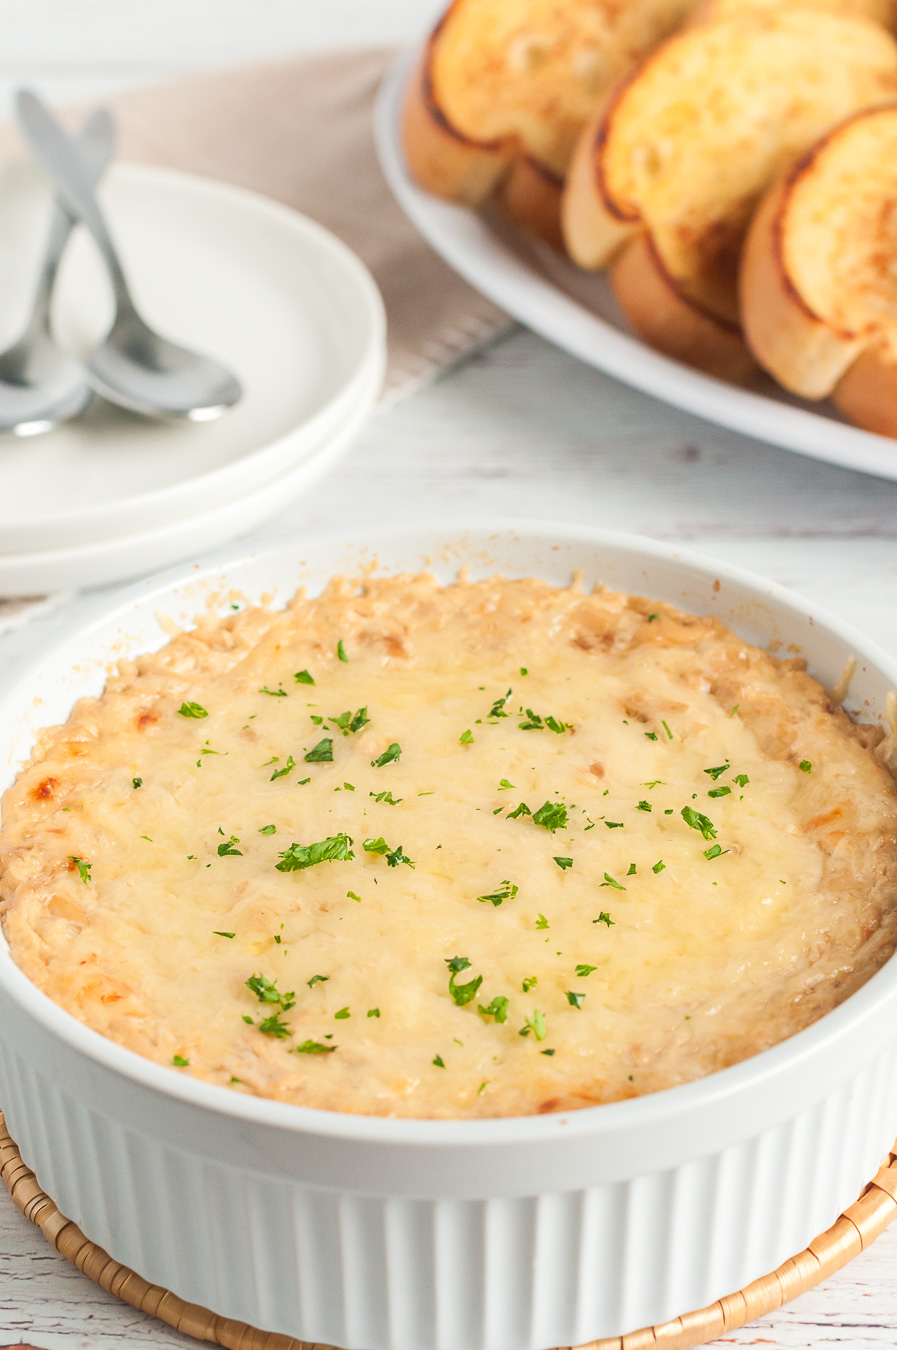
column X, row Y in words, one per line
column 267, row 291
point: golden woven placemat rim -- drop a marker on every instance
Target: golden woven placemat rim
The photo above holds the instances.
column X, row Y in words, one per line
column 856, row 1229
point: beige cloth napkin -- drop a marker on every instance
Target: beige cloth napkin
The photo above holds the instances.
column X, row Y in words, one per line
column 300, row 131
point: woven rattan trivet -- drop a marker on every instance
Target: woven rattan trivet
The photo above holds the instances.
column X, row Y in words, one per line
column 857, row 1228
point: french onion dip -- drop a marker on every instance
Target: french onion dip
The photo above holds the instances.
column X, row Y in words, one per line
column 486, row 849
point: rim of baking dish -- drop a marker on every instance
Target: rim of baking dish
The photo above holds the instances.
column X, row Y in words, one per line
column 865, row 1006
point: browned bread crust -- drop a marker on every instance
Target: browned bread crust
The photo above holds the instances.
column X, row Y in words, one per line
column 504, row 87
column 673, row 323
column 440, row 157
column 658, row 162
column 818, row 273
column 530, row 196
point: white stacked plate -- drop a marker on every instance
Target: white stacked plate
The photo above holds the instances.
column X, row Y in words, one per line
column 276, row 297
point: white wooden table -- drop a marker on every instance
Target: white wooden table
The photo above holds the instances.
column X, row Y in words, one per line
column 520, row 429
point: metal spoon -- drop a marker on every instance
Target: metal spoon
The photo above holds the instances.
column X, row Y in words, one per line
column 40, row 385
column 134, row 366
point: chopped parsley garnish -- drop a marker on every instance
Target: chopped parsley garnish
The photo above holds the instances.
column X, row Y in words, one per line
column 336, row 848
column 206, row 751
column 268, row 829
column 136, row 782
column 438, row 1061
column 342, row 1015
column 393, row 856
column 741, row 779
column 615, row 824
column 575, row 1000
column 563, row 863
column 316, row 719
column 386, row 797
column 322, row 753
column 275, row 693
column 317, row 979
column 314, row 1048
column 805, row 766
column 666, row 729
column 720, row 769
column 192, row 710
column 609, row 881
column 461, row 993
column 659, row 865
column 227, row 850
column 529, row 983
column 373, row 1012
column 349, row 721
column 82, row 866
column 341, row 651
column 287, row 768
column 631, row 872
column 541, row 922
column 715, row 852
column 652, row 617
column 303, row 677
column 498, row 1008
column 273, row 1026
column 644, row 806
column 389, row 756
column 583, row 971
column 719, row 792
column 553, row 815
column 696, row 821
column 652, row 735
column 504, row 784
column 534, row 1024
column 521, row 810
column 506, row 890
column 498, row 707
column 266, row 991
column 180, row 1063
column 604, row 918
column 218, row 933
column 302, row 781
column 533, row 722
column 466, row 737
column 350, row 895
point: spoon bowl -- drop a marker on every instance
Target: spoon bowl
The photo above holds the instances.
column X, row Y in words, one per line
column 139, row 369
column 40, row 386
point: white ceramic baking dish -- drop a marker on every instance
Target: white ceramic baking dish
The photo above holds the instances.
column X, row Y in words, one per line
column 510, row 1234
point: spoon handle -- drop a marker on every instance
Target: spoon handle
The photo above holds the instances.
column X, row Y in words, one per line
column 61, row 160
column 96, row 142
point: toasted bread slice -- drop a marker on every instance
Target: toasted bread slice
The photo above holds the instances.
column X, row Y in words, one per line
column 819, row 273
column 505, row 87
column 685, row 147
column 879, row 11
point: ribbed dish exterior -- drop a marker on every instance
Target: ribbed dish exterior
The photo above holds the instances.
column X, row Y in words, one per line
column 386, row 1272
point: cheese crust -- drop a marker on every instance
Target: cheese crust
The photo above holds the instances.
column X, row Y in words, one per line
column 516, row 849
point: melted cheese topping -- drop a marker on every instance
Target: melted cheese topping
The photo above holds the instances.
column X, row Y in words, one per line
column 571, row 848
